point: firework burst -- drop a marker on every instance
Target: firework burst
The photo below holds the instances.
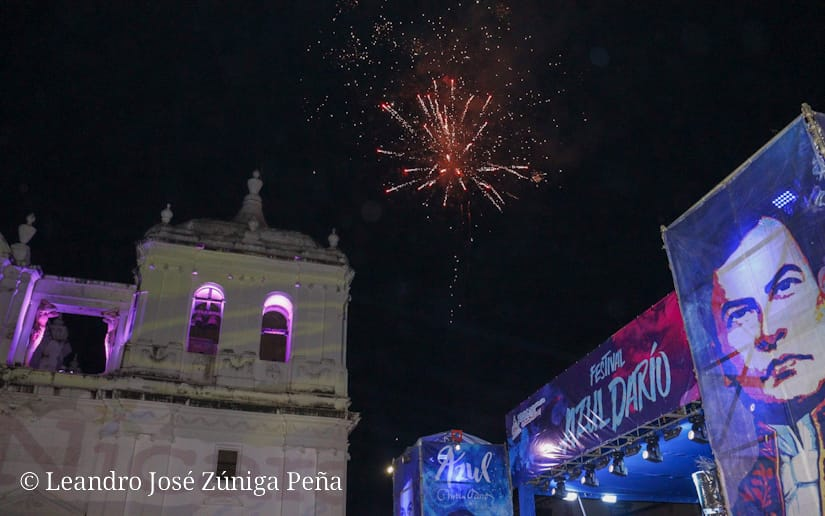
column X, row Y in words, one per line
column 449, row 149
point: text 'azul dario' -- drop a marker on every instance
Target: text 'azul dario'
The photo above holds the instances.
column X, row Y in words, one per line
column 649, row 382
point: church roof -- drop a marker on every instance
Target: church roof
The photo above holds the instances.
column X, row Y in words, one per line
column 247, row 233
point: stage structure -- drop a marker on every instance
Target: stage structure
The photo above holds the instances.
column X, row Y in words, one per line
column 452, row 474
column 634, row 396
column 748, row 261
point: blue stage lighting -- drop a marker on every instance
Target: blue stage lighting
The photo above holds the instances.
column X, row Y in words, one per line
column 652, row 452
column 560, row 490
column 785, row 201
column 617, row 467
column 589, row 478
column 632, row 449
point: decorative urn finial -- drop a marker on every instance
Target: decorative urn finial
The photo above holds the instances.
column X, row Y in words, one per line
column 252, row 207
column 255, row 183
column 26, row 231
column 333, row 239
column 21, row 251
column 166, row 214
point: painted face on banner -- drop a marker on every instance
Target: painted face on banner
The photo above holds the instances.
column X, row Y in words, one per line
column 406, row 500
column 767, row 306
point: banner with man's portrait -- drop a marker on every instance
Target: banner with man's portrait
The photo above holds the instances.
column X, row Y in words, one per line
column 749, row 265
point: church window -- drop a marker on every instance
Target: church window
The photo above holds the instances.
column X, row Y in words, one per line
column 205, row 320
column 276, row 325
column 227, row 463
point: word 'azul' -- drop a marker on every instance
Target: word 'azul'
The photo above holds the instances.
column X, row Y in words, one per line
column 459, row 471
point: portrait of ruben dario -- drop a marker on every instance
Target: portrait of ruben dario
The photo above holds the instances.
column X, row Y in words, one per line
column 749, row 265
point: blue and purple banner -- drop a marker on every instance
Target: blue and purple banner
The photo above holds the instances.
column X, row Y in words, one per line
column 749, row 266
column 406, row 488
column 452, row 474
column 640, row 373
column 469, row 480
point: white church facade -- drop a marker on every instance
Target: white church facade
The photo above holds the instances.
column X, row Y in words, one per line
column 218, row 383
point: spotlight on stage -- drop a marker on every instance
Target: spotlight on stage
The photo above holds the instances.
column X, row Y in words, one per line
column 601, row 463
column 672, row 433
column 560, row 490
column 785, row 201
column 698, row 433
column 456, row 437
column 574, row 472
column 652, row 452
column 571, row 496
column 632, row 449
column 617, row 467
column 589, row 478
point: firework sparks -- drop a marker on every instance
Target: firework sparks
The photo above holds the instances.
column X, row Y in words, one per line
column 449, row 150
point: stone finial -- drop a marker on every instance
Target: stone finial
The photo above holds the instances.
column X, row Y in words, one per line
column 21, row 250
column 26, row 231
column 166, row 214
column 252, row 207
column 5, row 250
column 333, row 239
column 255, row 183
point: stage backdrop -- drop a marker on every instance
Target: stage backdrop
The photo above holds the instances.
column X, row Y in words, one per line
column 748, row 265
column 639, row 374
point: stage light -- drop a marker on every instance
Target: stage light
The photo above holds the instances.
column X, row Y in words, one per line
column 672, row 433
column 589, row 478
column 617, row 467
column 652, row 452
column 560, row 490
column 601, row 462
column 785, row 200
column 698, row 434
column 571, row 497
column 457, row 436
column 544, row 485
column 390, row 469
column 632, row 449
column 609, row 498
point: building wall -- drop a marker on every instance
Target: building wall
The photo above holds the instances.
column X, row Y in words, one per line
column 160, row 410
column 319, row 293
column 70, row 434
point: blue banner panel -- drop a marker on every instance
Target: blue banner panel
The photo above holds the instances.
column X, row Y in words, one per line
column 749, row 266
column 471, row 480
column 640, row 373
column 406, row 485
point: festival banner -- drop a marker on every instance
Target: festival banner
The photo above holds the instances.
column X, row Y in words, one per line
column 749, row 266
column 471, row 479
column 642, row 372
column 452, row 474
column 406, row 486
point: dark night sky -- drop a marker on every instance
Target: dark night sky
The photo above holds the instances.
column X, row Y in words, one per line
column 107, row 113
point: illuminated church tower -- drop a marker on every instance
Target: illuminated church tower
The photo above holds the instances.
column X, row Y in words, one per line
column 226, row 361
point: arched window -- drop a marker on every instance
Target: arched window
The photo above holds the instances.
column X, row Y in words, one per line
column 205, row 320
column 276, row 326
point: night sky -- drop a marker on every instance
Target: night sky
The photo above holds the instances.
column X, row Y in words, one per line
column 108, row 113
